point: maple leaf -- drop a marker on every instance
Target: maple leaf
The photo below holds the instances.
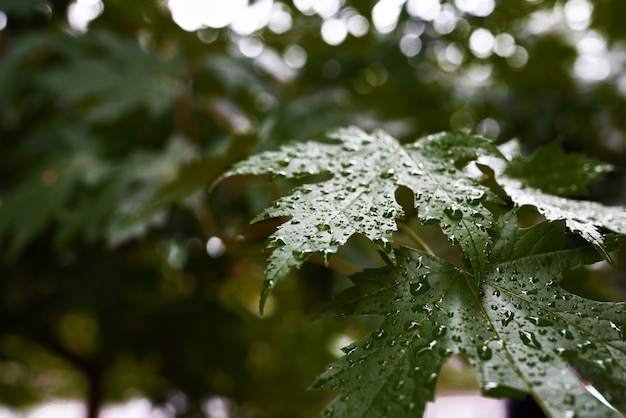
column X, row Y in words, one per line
column 519, row 331
column 359, row 198
column 533, row 182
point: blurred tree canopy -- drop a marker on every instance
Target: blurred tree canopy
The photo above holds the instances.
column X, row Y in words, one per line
column 120, row 276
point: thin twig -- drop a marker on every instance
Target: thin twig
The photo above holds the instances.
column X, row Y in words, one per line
column 407, row 230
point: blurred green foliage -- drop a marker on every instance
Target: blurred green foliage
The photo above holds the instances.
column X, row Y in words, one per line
column 110, row 134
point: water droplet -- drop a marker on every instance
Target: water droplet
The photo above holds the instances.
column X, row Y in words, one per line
column 567, row 334
column 426, row 349
column 410, row 325
column 357, row 218
column 484, row 352
column 431, row 379
column 453, row 213
column 368, row 345
column 569, row 399
column 565, row 352
column 323, row 227
column 326, row 255
column 349, row 349
column 273, row 242
column 388, row 214
column 420, row 287
column 380, row 334
column 529, row 339
column 618, row 329
column 508, row 317
column 474, row 197
column 275, row 175
column 284, row 162
column 440, row 331
column 540, row 322
column 388, row 174
column 496, row 390
column 545, row 357
column 605, row 365
column 384, row 245
column 301, row 255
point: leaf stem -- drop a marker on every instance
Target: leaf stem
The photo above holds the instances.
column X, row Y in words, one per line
column 416, row 238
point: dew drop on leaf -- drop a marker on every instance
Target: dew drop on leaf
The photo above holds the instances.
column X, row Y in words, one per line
column 545, row 357
column 388, row 214
column 419, row 288
column 508, row 317
column 410, row 325
column 529, row 339
column 326, row 255
column 605, row 365
column 484, row 352
column 301, row 255
column 540, row 322
column 497, row 390
column 453, row 213
column 323, row 227
column 276, row 175
column 474, row 198
column 426, row 349
column 618, row 329
column 440, row 331
column 380, row 334
column 384, row 245
column 349, row 349
column 388, row 173
column 273, row 242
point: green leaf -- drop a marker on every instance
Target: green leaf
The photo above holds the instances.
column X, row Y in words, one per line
column 553, row 171
column 519, row 331
column 359, row 198
column 36, row 202
column 583, row 217
column 613, row 389
column 111, row 78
